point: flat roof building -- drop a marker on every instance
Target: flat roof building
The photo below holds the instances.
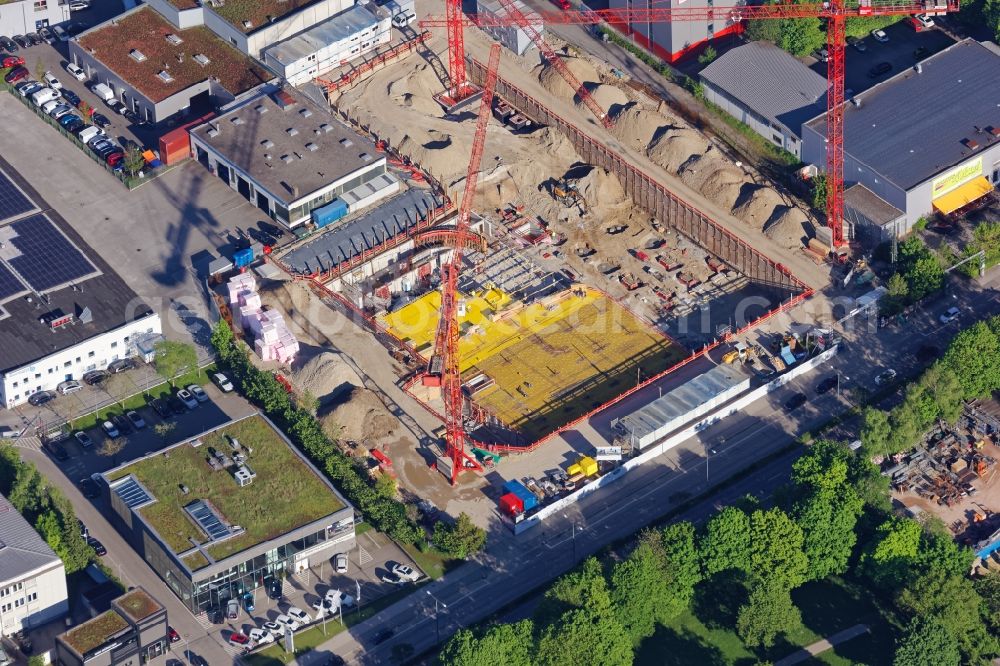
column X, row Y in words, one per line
column 286, row 155
column 927, row 140
column 135, row 626
column 673, row 40
column 63, row 309
column 222, row 513
column 32, row 577
column 23, row 16
column 764, row 87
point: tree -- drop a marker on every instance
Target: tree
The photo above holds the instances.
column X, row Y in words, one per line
column 308, row 402
column 583, row 587
column 776, row 549
column 510, row 644
column 828, row 519
column 939, row 552
column 385, row 485
column 988, row 587
column 639, row 587
column 681, row 553
column 890, row 556
column 954, row 602
column 974, row 357
column 119, row 387
column 174, row 359
column 460, row 540
column 875, row 432
column 134, row 161
column 819, row 191
column 164, row 428
column 768, row 613
column 708, row 55
column 111, row 447
column 945, row 389
column 726, row 542
column 222, row 340
column 926, row 643
column 592, row 629
column 797, row 36
column 897, row 294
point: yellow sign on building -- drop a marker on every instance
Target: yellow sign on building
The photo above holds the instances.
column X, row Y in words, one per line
column 956, row 177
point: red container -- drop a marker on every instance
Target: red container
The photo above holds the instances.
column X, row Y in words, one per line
column 175, row 145
column 512, row 505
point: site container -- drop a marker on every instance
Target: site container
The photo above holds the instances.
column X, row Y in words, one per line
column 588, row 466
column 329, row 213
column 175, row 145
column 243, row 257
column 512, row 505
column 516, row 487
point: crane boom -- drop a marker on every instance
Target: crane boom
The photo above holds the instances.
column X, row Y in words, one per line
column 446, row 340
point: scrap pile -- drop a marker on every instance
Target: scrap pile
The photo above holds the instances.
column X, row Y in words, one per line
column 943, row 469
column 272, row 339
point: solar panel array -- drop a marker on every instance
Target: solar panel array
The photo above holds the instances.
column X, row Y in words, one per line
column 9, row 284
column 48, row 259
column 207, row 520
column 12, row 200
column 132, row 493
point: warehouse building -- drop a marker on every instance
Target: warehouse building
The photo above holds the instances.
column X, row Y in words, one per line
column 767, row 89
column 214, row 518
column 23, row 16
column 286, row 155
column 925, row 142
column 350, row 34
column 672, row 40
column 158, row 70
column 32, row 577
column 63, row 310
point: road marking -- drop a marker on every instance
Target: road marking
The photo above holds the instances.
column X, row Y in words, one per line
column 364, row 557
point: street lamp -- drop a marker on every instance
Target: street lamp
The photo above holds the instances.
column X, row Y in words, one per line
column 437, row 618
column 846, row 379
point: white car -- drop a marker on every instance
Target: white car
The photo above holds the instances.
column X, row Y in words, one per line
column 298, row 615
column 885, row 377
column 288, row 623
column 52, row 81
column 198, row 393
column 405, row 572
column 340, row 563
column 950, row 316
column 76, row 71
column 880, row 36
column 222, row 382
column 261, row 636
column 276, row 629
column 185, row 396
column 925, row 20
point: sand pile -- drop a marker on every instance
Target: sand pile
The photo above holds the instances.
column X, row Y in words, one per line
column 600, row 188
column 757, row 206
column 715, row 178
column 325, row 374
column 789, row 226
column 552, row 80
column 362, row 417
column 610, row 98
column 638, row 127
column 675, row 147
column 420, row 103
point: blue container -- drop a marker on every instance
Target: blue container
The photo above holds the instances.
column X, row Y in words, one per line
column 519, row 489
column 243, row 257
column 331, row 212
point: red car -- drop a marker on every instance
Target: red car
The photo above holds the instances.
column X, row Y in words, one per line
column 17, row 74
column 241, row 640
column 114, row 158
column 12, row 61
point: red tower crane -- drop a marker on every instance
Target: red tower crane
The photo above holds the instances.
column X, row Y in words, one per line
column 444, row 362
column 836, row 13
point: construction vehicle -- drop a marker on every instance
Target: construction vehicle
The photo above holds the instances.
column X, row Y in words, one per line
column 739, row 352
column 616, row 229
column 565, row 193
column 629, row 281
column 583, row 251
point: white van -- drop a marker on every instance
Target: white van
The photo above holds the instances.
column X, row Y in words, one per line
column 61, row 34
column 88, row 133
column 44, row 95
column 103, row 91
column 50, row 105
column 403, row 19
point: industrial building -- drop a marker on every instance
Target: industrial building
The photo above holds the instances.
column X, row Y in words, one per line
column 32, row 577
column 63, row 310
column 672, row 40
column 767, row 89
column 134, row 631
column 157, row 69
column 350, row 34
column 286, row 155
column 925, row 142
column 228, row 511
column 682, row 405
column 511, row 36
column 23, row 16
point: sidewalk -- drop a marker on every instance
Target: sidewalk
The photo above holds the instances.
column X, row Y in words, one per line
column 822, row 646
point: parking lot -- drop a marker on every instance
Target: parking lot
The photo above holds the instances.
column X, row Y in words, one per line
column 901, row 52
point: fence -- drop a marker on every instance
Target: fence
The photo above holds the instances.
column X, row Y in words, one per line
column 369, row 66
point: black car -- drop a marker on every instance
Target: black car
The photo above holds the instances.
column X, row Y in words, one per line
column 97, row 546
column 274, row 588
column 121, row 365
column 100, row 120
column 39, row 398
column 383, row 635
column 8, row 45
column 827, row 385
column 123, row 424
column 75, row 125
column 94, row 377
column 161, row 408
column 21, row 41
column 261, row 237
column 176, row 405
column 57, row 451
column 70, row 97
column 795, row 402
column 89, row 488
column 879, row 69
column 271, row 229
column 920, row 52
column 34, row 38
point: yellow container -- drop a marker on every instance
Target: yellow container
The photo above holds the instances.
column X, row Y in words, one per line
column 587, row 465
column 574, row 469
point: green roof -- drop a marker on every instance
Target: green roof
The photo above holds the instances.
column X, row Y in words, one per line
column 138, row 604
column 93, row 633
column 285, row 495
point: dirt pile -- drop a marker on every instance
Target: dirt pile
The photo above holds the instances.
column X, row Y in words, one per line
column 639, row 127
column 789, row 227
column 601, row 188
column 716, row 179
column 609, row 98
column 362, row 418
column 325, row 374
column 674, row 147
column 757, row 206
column 552, row 80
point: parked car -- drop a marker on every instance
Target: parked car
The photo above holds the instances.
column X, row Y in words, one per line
column 100, row 120
column 137, row 421
column 827, row 385
column 885, row 377
column 274, row 588
column 238, row 639
column 122, row 423
column 8, row 45
column 94, row 377
column 21, row 41
column 46, row 34
column 95, row 544
column 822, row 55
column 198, row 393
column 83, row 439
column 858, row 44
column 39, row 398
column 69, row 118
column 879, row 69
column 185, row 397
column 116, row 106
column 950, row 315
column 17, row 74
column 56, row 450
column 795, row 402
column 89, row 489
column 924, row 20
column 261, row 636
column 75, row 125
column 405, row 572
column 78, row 5
column 248, row 601
column 71, row 97
column 232, row 609
column 173, row 635
column 276, row 629
column 880, row 36
column 60, row 110
column 11, row 61
column 76, row 71
column 34, row 38
column 69, row 386
column 222, row 382
column 287, row 623
column 161, row 408
column 340, row 563
column 51, row 81
column 298, row 615
column 49, row 105
column 176, row 405
column 121, row 365
column 110, row 430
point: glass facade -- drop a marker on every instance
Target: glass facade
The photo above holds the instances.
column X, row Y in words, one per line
column 302, row 212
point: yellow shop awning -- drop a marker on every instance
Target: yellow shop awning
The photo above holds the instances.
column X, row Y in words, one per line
column 963, row 196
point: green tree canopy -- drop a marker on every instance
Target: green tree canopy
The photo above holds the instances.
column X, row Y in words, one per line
column 974, row 357
column 585, row 586
column 510, row 644
column 988, row 588
column 926, row 643
column 461, row 539
column 890, row 555
column 797, row 36
column 768, row 614
column 682, row 556
column 174, row 359
column 876, row 432
column 593, row 630
column 640, row 588
column 726, row 542
column 776, row 553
